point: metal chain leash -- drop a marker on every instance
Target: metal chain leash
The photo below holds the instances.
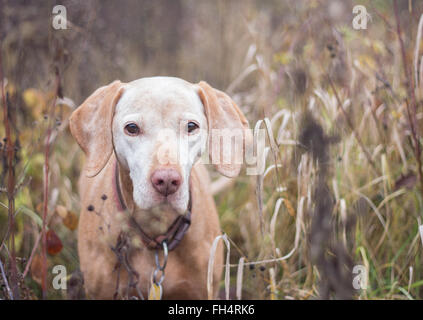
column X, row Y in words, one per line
column 160, row 269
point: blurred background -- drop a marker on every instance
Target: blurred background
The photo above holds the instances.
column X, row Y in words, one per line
column 336, row 213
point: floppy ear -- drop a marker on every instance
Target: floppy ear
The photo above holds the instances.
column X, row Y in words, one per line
column 91, row 126
column 224, row 120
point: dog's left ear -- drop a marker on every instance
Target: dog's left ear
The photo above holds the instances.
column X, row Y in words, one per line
column 91, row 126
column 224, row 120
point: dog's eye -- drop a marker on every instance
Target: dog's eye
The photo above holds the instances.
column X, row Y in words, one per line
column 192, row 126
column 132, row 129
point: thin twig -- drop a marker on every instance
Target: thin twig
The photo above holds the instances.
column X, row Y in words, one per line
column 46, row 185
column 34, row 249
column 350, row 124
column 411, row 110
column 10, row 154
column 6, row 283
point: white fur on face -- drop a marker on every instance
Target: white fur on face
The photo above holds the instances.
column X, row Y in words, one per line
column 161, row 107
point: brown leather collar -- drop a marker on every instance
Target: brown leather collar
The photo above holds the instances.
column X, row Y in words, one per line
column 173, row 236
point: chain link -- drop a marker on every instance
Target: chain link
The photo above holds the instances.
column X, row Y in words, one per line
column 160, row 268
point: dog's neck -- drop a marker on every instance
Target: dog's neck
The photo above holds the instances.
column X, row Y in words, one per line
column 155, row 221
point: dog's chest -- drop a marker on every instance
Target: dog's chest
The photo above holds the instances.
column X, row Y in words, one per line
column 184, row 275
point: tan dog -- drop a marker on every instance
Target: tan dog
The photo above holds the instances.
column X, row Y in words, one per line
column 142, row 142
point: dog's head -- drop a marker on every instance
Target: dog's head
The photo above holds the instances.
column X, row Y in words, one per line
column 158, row 128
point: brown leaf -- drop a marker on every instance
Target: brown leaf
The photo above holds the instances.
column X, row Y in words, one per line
column 71, row 220
column 39, row 208
column 36, row 268
column 54, row 244
column 61, row 211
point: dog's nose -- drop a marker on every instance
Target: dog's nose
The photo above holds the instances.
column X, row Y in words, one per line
column 166, row 181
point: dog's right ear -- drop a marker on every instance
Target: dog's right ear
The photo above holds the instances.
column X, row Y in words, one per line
column 91, row 126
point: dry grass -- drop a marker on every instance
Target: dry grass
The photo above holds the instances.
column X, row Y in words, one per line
column 342, row 184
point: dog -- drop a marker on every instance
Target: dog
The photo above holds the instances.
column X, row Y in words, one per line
column 143, row 186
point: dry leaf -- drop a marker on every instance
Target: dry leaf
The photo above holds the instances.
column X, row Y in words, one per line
column 39, row 208
column 54, row 244
column 61, row 211
column 36, row 268
column 71, row 220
